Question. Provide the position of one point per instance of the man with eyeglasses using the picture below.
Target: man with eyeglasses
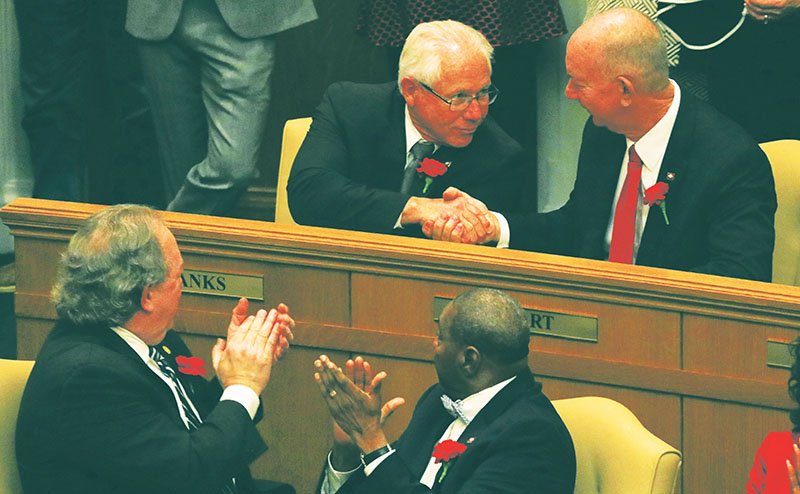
(366, 161)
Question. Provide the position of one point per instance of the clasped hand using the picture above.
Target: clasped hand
(253, 344)
(462, 219)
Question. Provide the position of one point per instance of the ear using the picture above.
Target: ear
(627, 90)
(409, 88)
(471, 360)
(147, 304)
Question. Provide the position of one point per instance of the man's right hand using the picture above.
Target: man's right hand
(254, 343)
(473, 215)
(462, 228)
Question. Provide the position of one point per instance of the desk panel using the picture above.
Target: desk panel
(686, 352)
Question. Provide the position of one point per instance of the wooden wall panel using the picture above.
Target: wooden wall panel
(733, 349)
(720, 443)
(685, 352)
(635, 335)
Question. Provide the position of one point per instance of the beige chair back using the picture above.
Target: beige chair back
(293, 134)
(784, 156)
(13, 376)
(615, 453)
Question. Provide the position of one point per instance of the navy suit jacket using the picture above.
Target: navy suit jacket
(95, 419)
(517, 444)
(347, 173)
(720, 205)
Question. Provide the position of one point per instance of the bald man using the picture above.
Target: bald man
(717, 212)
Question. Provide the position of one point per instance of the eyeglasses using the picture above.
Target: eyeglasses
(461, 102)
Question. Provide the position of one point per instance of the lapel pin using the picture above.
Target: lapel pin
(470, 440)
(670, 176)
(166, 349)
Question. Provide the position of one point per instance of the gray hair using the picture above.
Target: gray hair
(430, 43)
(493, 322)
(633, 45)
(112, 257)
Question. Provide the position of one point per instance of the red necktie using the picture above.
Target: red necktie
(624, 229)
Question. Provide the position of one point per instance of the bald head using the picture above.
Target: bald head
(624, 42)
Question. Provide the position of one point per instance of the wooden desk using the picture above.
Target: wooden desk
(685, 352)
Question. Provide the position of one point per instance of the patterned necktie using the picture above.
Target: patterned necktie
(419, 151)
(623, 231)
(193, 420)
(454, 408)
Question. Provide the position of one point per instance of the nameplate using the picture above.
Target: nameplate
(223, 284)
(546, 323)
(779, 354)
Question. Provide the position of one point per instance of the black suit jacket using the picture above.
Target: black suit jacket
(347, 173)
(721, 204)
(95, 419)
(516, 445)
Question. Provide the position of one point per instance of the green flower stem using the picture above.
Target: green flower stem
(428, 182)
(663, 206)
(444, 472)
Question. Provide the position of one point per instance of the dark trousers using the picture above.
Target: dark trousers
(84, 99)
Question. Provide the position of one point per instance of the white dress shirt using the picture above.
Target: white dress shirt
(471, 405)
(236, 392)
(650, 148)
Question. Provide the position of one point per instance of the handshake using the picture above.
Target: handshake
(456, 217)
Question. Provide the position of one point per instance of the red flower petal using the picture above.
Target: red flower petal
(192, 366)
(432, 168)
(447, 450)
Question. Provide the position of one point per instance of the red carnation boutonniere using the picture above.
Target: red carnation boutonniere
(444, 452)
(657, 195)
(432, 169)
(192, 366)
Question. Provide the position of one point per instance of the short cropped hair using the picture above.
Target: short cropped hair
(430, 43)
(491, 321)
(634, 48)
(112, 257)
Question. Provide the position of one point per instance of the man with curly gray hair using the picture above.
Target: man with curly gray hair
(104, 409)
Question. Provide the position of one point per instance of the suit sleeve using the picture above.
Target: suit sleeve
(741, 233)
(132, 436)
(321, 188)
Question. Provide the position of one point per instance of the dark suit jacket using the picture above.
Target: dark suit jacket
(348, 171)
(95, 419)
(516, 445)
(721, 204)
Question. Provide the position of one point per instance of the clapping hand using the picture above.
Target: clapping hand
(253, 344)
(353, 396)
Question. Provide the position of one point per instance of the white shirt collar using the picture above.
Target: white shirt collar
(474, 403)
(412, 134)
(133, 341)
(652, 146)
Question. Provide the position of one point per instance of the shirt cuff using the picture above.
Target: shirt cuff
(377, 461)
(244, 396)
(505, 231)
(334, 479)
